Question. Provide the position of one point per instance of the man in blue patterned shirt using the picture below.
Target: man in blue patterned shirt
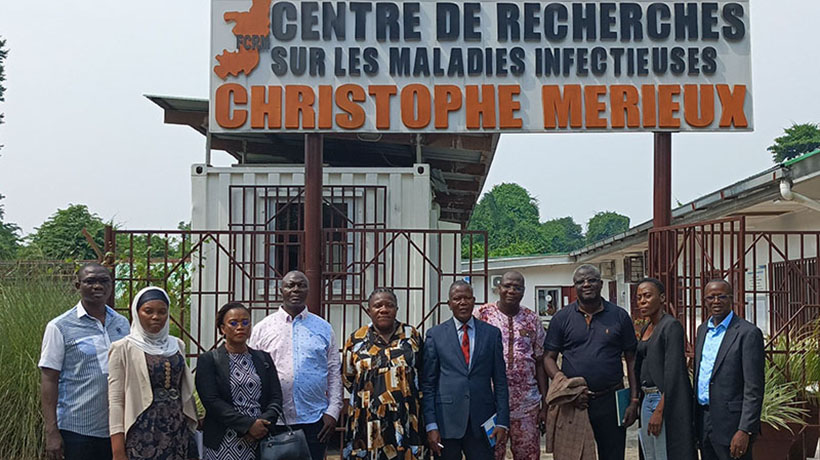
(74, 370)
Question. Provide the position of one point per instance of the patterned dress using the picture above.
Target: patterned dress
(161, 431)
(384, 415)
(246, 391)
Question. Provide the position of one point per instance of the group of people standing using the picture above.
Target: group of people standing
(477, 381)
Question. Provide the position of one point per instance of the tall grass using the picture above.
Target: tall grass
(26, 306)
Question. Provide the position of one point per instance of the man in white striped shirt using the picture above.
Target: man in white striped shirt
(74, 370)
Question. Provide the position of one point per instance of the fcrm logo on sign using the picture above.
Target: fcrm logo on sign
(252, 32)
(480, 66)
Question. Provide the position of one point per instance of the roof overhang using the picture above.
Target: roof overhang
(756, 197)
(459, 163)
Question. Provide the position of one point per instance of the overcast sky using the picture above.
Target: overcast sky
(78, 129)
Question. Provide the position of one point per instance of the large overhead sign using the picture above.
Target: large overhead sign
(436, 66)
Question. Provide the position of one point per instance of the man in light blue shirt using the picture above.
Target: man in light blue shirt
(711, 344)
(74, 370)
(729, 364)
(304, 350)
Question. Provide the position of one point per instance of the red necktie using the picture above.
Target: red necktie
(465, 344)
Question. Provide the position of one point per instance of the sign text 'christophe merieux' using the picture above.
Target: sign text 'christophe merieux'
(477, 66)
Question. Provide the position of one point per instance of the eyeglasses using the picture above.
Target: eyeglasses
(722, 298)
(234, 323)
(587, 280)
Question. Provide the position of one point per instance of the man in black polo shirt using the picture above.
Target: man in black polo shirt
(592, 335)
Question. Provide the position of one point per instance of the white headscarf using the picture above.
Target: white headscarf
(153, 344)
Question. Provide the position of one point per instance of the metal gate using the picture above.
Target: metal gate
(204, 269)
(774, 275)
(686, 257)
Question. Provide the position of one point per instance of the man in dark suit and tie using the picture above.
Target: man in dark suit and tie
(729, 379)
(464, 382)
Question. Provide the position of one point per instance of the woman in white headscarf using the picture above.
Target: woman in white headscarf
(152, 413)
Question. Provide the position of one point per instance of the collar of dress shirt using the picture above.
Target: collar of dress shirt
(302, 314)
(459, 324)
(724, 323)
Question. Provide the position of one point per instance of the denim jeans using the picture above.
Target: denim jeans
(654, 447)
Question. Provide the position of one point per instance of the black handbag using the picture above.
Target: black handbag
(288, 445)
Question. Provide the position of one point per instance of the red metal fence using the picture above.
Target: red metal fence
(774, 275)
(202, 270)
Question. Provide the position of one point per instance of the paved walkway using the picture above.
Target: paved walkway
(631, 447)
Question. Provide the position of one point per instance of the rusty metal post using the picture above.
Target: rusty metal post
(109, 260)
(662, 204)
(313, 220)
(662, 212)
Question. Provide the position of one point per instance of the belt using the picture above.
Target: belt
(650, 390)
(704, 407)
(598, 394)
(165, 394)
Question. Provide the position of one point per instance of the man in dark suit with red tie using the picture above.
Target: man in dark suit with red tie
(464, 382)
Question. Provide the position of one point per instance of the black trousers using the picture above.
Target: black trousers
(710, 450)
(609, 437)
(81, 447)
(317, 448)
(473, 448)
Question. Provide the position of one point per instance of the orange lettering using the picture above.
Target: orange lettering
(593, 106)
(325, 107)
(732, 106)
(222, 105)
(567, 109)
(382, 95)
(448, 99)
(412, 96)
(648, 105)
(299, 101)
(667, 107)
(263, 107)
(706, 115)
(480, 113)
(625, 99)
(347, 97)
(507, 106)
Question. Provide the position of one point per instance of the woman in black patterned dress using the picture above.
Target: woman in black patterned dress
(150, 388)
(381, 369)
(239, 388)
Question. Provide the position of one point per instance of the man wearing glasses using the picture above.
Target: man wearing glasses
(729, 378)
(592, 335)
(523, 338)
(74, 370)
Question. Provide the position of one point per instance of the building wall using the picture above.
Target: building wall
(409, 206)
(409, 192)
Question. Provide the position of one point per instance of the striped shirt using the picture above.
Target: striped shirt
(76, 344)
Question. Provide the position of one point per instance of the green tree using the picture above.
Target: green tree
(562, 235)
(9, 236)
(797, 140)
(61, 235)
(3, 54)
(606, 224)
(509, 214)
(9, 233)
